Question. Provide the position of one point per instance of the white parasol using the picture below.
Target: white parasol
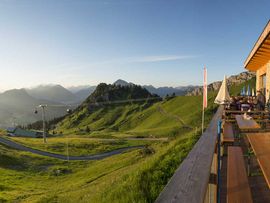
(223, 96)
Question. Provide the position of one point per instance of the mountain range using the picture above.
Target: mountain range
(17, 105)
(161, 91)
(232, 80)
(55, 93)
(59, 94)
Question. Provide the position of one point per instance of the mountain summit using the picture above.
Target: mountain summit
(121, 82)
(111, 93)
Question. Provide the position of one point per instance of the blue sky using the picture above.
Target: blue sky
(159, 42)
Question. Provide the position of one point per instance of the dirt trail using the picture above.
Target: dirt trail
(175, 117)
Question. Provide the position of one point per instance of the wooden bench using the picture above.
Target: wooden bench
(238, 189)
(227, 137)
(228, 134)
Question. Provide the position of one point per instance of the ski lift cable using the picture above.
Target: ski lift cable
(55, 105)
(100, 103)
(96, 103)
(125, 101)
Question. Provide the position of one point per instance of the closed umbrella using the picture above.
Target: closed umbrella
(253, 94)
(242, 92)
(248, 91)
(223, 96)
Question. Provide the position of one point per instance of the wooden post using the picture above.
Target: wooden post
(202, 120)
(219, 162)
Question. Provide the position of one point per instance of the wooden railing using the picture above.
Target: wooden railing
(191, 182)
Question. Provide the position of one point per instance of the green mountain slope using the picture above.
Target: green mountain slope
(144, 119)
(108, 108)
(134, 176)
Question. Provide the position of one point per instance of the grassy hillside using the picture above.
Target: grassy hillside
(135, 119)
(161, 119)
(139, 174)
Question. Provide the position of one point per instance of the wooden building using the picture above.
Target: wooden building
(258, 61)
(18, 132)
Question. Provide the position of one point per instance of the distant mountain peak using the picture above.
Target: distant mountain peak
(122, 83)
(15, 92)
(43, 86)
(75, 89)
(55, 93)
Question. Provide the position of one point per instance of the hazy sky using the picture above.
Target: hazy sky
(159, 42)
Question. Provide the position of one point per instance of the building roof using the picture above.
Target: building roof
(11, 129)
(25, 133)
(260, 53)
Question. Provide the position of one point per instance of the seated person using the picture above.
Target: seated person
(260, 101)
(233, 104)
(251, 103)
(245, 106)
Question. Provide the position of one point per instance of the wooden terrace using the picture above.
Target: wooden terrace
(244, 154)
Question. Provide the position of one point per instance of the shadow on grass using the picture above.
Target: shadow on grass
(11, 162)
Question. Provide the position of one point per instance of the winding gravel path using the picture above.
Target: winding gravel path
(18, 146)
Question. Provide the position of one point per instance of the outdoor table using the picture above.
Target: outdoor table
(260, 143)
(245, 124)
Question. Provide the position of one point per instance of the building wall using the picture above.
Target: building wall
(263, 70)
(267, 81)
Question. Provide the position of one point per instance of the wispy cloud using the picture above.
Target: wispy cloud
(143, 59)
(122, 61)
(160, 58)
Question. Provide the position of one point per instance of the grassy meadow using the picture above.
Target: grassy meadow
(139, 174)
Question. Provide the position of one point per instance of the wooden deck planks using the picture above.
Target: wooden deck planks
(238, 189)
(260, 143)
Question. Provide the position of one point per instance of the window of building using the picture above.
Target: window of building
(263, 83)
